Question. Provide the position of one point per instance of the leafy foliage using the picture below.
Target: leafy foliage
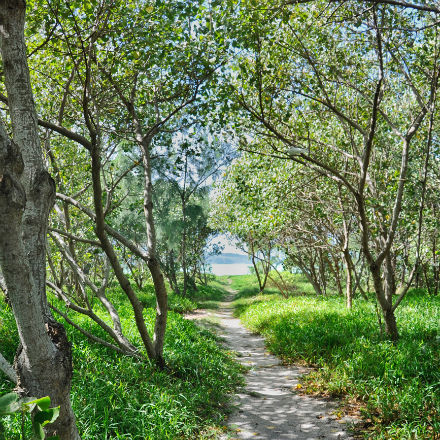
(43, 414)
(116, 396)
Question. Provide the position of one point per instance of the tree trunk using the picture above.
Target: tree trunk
(161, 310)
(390, 324)
(310, 277)
(334, 267)
(257, 273)
(111, 254)
(349, 281)
(314, 278)
(7, 369)
(169, 270)
(153, 261)
(183, 243)
(43, 362)
(385, 304)
(349, 289)
(321, 272)
(358, 276)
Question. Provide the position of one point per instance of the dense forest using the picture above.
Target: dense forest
(134, 134)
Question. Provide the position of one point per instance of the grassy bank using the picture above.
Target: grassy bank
(117, 397)
(398, 386)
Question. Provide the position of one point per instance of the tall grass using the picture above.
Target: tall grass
(118, 397)
(398, 385)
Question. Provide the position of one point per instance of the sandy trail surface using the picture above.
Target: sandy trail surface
(269, 407)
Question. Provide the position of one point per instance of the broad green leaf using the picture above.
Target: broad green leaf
(47, 416)
(9, 404)
(43, 403)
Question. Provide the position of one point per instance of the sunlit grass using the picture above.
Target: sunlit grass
(397, 384)
(118, 397)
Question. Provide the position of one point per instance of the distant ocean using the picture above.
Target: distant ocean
(230, 269)
(228, 263)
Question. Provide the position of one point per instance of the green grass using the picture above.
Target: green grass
(209, 297)
(117, 397)
(247, 286)
(176, 303)
(398, 385)
(205, 297)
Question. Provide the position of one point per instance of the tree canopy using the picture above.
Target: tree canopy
(131, 133)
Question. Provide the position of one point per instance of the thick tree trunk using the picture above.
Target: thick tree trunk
(390, 324)
(43, 363)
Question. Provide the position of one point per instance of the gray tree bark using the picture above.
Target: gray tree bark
(43, 362)
(153, 261)
(7, 369)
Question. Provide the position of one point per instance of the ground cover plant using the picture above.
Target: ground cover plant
(396, 384)
(208, 297)
(176, 303)
(118, 397)
(245, 286)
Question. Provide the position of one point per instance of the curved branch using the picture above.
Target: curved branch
(93, 337)
(7, 368)
(115, 234)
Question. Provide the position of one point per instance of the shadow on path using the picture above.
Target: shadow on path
(269, 408)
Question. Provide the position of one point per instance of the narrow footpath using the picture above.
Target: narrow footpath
(269, 407)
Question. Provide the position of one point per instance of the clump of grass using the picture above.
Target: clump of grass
(245, 285)
(176, 303)
(398, 384)
(209, 297)
(206, 297)
(210, 293)
(118, 397)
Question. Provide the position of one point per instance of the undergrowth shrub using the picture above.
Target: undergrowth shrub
(118, 397)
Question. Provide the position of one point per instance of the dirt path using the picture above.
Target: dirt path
(269, 407)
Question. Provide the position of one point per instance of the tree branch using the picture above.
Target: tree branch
(75, 238)
(8, 370)
(115, 234)
(91, 336)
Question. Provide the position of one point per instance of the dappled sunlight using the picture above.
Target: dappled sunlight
(395, 382)
(269, 407)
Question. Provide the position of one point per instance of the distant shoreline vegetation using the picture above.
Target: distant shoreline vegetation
(229, 258)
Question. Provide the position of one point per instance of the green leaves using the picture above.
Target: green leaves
(42, 418)
(12, 403)
(9, 404)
